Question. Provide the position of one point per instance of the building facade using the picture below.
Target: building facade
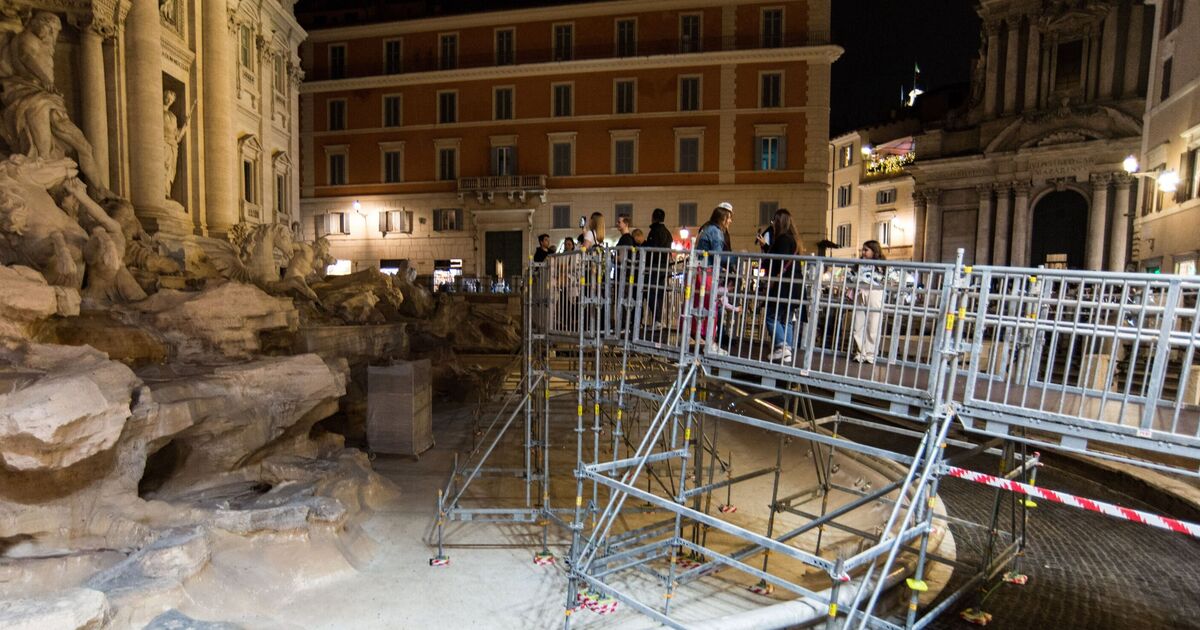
(217, 153)
(1031, 172)
(1167, 228)
(461, 138)
(871, 190)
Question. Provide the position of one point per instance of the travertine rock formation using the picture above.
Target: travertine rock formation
(26, 298)
(225, 321)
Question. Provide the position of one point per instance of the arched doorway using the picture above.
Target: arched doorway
(1059, 228)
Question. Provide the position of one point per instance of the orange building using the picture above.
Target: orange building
(464, 137)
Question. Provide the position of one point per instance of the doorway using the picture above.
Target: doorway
(1060, 230)
(504, 246)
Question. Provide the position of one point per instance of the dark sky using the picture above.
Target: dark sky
(882, 38)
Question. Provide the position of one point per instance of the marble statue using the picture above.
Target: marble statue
(34, 121)
(173, 134)
(309, 261)
(108, 278)
(141, 249)
(47, 238)
(250, 256)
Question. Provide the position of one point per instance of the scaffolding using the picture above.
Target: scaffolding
(659, 350)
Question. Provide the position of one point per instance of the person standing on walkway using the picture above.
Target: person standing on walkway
(784, 241)
(593, 234)
(543, 249)
(714, 238)
(657, 262)
(868, 304)
(626, 239)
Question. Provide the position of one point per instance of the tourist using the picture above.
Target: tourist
(657, 263)
(868, 304)
(714, 238)
(626, 239)
(659, 235)
(639, 237)
(784, 241)
(568, 245)
(593, 234)
(543, 249)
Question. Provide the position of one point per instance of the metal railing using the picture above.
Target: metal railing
(1090, 362)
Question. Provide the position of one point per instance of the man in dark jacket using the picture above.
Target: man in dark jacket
(659, 235)
(656, 265)
(543, 250)
(626, 239)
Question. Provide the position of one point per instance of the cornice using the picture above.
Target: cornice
(817, 54)
(499, 18)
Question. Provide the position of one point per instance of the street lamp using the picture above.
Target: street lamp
(1130, 164)
(1168, 181)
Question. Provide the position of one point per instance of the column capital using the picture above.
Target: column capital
(1100, 180)
(931, 195)
(991, 28)
(1122, 180)
(1002, 187)
(295, 73)
(983, 189)
(1022, 188)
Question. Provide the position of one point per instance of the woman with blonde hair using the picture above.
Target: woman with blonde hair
(594, 233)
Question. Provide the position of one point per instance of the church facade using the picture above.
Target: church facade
(189, 105)
(1031, 173)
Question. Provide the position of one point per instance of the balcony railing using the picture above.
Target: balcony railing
(514, 186)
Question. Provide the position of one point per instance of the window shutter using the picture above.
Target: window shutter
(1181, 191)
(458, 219)
(782, 152)
(757, 154)
(321, 225)
(513, 166)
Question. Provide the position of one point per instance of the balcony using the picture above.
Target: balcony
(515, 187)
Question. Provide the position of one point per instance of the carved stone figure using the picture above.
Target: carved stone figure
(108, 279)
(34, 120)
(173, 134)
(309, 261)
(39, 234)
(141, 249)
(250, 257)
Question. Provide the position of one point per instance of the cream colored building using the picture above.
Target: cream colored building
(234, 69)
(463, 137)
(871, 190)
(1031, 172)
(1167, 228)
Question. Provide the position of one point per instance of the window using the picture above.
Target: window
(1172, 15)
(447, 163)
(885, 196)
(447, 107)
(845, 156)
(447, 219)
(1186, 267)
(337, 114)
(562, 159)
(1069, 66)
(562, 217)
(448, 51)
(335, 223)
(395, 222)
(770, 92)
(337, 169)
(505, 47)
(625, 96)
(504, 160)
(279, 76)
(687, 214)
(337, 60)
(281, 195)
(844, 196)
(1164, 91)
(502, 103)
(246, 49)
(689, 94)
(391, 111)
(883, 233)
(564, 42)
(392, 56)
(689, 155)
(393, 166)
(689, 33)
(772, 28)
(770, 153)
(843, 236)
(766, 211)
(626, 37)
(562, 99)
(1192, 173)
(249, 179)
(624, 156)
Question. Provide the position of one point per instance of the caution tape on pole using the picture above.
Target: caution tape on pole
(1124, 513)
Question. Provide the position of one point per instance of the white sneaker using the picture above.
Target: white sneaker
(713, 348)
(780, 352)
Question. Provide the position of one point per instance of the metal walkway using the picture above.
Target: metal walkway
(1011, 359)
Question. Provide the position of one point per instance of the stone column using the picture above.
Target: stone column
(1033, 60)
(983, 221)
(1133, 51)
(1096, 218)
(918, 254)
(1108, 55)
(993, 68)
(147, 170)
(1000, 247)
(94, 93)
(933, 225)
(1118, 244)
(221, 168)
(1011, 70)
(1020, 225)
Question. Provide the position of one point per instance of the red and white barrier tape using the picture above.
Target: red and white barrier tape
(1137, 516)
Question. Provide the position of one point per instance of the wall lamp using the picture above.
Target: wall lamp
(1167, 180)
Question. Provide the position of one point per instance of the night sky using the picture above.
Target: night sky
(882, 38)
